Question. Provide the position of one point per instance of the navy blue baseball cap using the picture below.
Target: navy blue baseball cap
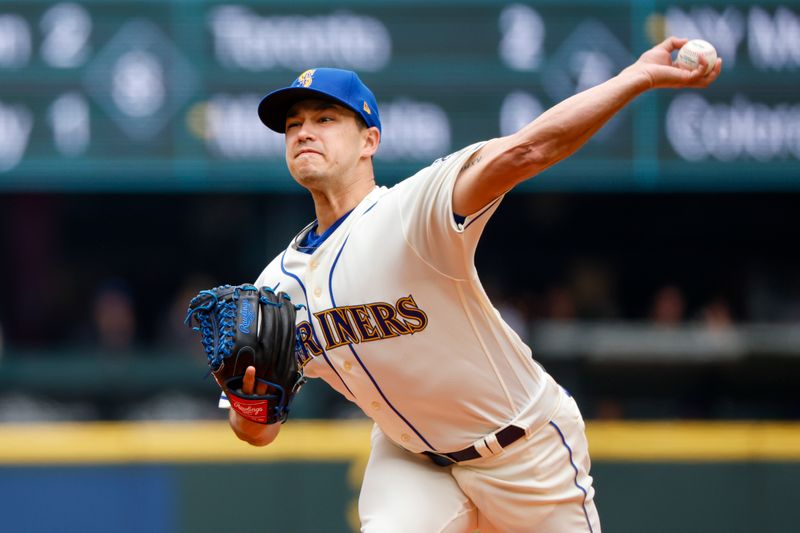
(343, 87)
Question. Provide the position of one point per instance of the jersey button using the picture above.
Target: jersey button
(314, 265)
(317, 292)
(348, 365)
(405, 437)
(376, 406)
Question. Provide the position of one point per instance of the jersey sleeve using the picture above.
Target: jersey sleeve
(429, 225)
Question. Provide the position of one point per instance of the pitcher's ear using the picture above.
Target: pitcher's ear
(372, 137)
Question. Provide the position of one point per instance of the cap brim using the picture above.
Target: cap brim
(273, 108)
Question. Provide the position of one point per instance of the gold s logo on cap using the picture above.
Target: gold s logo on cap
(306, 78)
(367, 110)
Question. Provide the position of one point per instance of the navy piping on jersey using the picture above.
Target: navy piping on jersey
(572, 462)
(485, 210)
(369, 208)
(311, 323)
(360, 362)
(311, 241)
(460, 219)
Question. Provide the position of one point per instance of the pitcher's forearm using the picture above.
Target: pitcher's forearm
(563, 129)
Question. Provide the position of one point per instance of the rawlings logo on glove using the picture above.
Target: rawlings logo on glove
(248, 315)
(242, 326)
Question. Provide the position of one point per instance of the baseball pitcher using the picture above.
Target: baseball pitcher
(470, 432)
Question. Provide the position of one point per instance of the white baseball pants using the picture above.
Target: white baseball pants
(539, 484)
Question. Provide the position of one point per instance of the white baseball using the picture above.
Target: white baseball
(688, 56)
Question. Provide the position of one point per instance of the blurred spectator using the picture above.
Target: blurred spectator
(592, 289)
(608, 409)
(668, 307)
(559, 304)
(173, 334)
(113, 319)
(717, 315)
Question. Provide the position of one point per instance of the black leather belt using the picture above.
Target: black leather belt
(505, 437)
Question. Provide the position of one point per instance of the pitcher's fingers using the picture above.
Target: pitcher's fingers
(248, 383)
(712, 76)
(673, 43)
(261, 388)
(702, 65)
(697, 74)
(717, 68)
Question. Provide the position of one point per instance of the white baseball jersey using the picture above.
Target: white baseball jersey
(397, 321)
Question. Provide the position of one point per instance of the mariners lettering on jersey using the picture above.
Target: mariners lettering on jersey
(308, 347)
(354, 324)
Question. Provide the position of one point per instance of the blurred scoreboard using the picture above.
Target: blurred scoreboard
(102, 95)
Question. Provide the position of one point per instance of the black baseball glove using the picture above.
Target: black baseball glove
(243, 326)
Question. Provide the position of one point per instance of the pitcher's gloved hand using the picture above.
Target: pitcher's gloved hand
(242, 326)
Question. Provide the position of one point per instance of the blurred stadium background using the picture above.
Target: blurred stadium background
(656, 273)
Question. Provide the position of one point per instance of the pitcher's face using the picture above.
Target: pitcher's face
(324, 142)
